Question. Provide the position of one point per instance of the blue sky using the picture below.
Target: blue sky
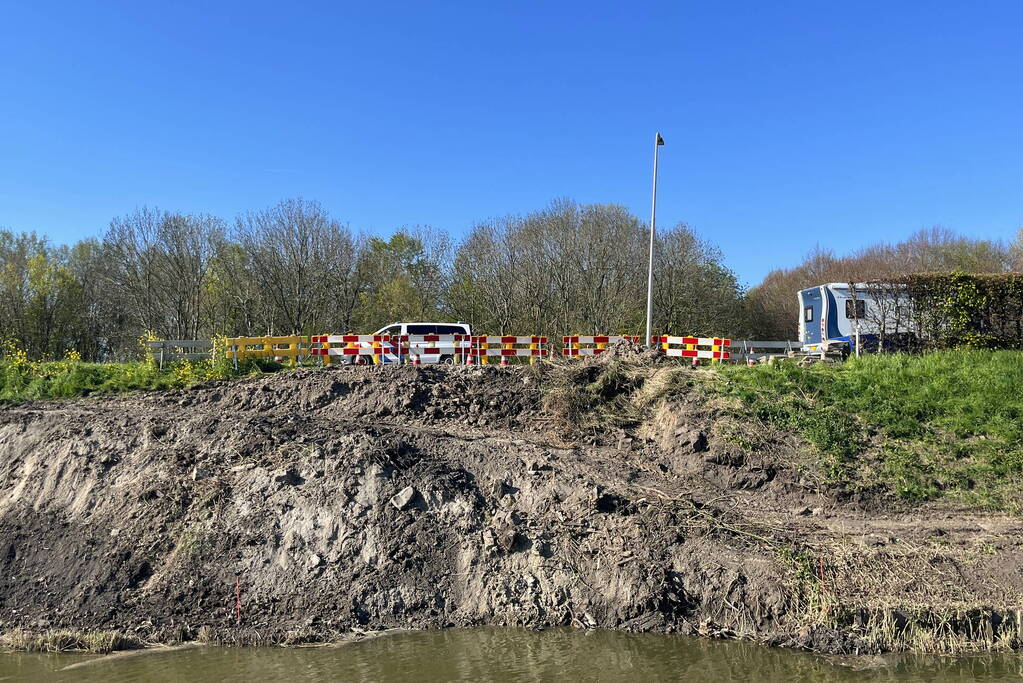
(787, 123)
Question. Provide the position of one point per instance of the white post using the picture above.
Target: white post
(856, 314)
(658, 141)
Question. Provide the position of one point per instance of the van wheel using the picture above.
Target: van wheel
(447, 360)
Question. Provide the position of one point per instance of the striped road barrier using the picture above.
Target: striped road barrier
(361, 348)
(485, 347)
(382, 348)
(691, 347)
(417, 346)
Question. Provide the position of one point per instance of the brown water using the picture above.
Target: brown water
(504, 655)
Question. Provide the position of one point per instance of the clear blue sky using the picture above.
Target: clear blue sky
(787, 123)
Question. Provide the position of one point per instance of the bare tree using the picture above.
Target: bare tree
(303, 262)
(159, 265)
(581, 269)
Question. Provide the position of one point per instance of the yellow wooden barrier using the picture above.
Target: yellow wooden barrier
(291, 348)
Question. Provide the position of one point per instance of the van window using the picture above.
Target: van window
(861, 309)
(808, 314)
(393, 330)
(422, 329)
(450, 329)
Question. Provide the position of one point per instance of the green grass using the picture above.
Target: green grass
(22, 381)
(944, 424)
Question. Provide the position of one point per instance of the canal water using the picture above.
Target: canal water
(504, 655)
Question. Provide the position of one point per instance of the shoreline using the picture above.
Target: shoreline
(422, 498)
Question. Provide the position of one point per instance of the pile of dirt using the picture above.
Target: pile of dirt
(627, 350)
(309, 504)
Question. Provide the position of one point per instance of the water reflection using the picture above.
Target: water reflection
(507, 655)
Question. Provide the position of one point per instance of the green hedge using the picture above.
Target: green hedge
(954, 310)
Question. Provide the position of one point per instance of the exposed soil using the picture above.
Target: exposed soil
(355, 498)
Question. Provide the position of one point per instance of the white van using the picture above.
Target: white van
(419, 329)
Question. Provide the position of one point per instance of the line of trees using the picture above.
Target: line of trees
(294, 269)
(772, 303)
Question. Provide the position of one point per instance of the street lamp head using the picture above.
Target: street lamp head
(660, 140)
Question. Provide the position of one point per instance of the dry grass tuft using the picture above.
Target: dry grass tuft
(99, 642)
(903, 598)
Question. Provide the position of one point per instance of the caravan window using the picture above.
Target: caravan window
(808, 314)
(861, 309)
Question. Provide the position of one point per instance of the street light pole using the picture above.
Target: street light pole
(658, 141)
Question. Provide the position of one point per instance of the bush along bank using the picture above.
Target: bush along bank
(617, 493)
(22, 379)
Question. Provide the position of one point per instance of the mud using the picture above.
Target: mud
(352, 499)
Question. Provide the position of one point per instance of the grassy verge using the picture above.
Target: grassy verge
(922, 427)
(22, 380)
(945, 424)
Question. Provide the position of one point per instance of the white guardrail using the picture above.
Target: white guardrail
(172, 350)
(746, 350)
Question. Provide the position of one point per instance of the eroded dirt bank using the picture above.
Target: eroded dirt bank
(373, 498)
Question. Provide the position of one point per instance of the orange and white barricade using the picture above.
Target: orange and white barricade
(360, 348)
(486, 347)
(593, 345)
(691, 347)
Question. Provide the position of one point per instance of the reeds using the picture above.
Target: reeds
(100, 642)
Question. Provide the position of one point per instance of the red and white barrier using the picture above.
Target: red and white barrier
(416, 349)
(495, 339)
(361, 347)
(382, 348)
(486, 347)
(432, 338)
(378, 348)
(353, 344)
(691, 347)
(592, 345)
(416, 346)
(349, 338)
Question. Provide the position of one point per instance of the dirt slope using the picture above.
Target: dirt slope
(367, 498)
